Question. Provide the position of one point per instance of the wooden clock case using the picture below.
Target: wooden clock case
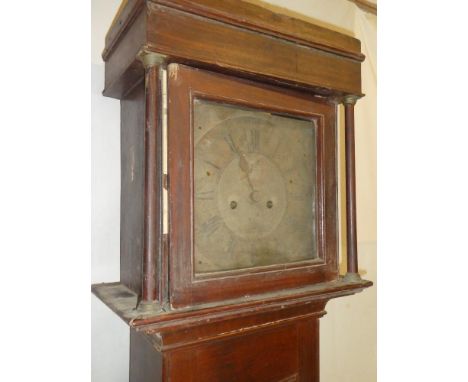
(260, 325)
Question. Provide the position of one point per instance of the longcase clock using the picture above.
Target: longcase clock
(229, 212)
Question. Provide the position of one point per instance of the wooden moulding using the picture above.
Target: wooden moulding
(208, 324)
(259, 19)
(245, 15)
(124, 70)
(234, 37)
(206, 321)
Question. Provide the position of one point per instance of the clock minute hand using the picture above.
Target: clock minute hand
(243, 163)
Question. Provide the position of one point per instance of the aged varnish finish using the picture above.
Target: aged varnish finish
(229, 238)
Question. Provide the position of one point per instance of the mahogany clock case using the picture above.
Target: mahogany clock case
(257, 320)
(238, 54)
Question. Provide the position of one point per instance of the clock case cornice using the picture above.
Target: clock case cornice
(219, 35)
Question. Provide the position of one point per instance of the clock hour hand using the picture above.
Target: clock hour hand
(243, 164)
(245, 167)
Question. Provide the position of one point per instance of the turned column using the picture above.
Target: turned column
(351, 231)
(152, 245)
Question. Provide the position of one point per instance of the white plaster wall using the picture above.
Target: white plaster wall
(348, 331)
(109, 334)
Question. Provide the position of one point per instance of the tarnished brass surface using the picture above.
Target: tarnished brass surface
(254, 188)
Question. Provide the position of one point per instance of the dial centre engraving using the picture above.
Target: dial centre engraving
(255, 183)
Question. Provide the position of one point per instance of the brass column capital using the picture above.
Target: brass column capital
(150, 59)
(350, 99)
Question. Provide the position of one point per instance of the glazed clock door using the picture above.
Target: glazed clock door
(252, 199)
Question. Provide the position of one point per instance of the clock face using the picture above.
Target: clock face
(254, 188)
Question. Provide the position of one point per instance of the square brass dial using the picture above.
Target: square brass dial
(254, 188)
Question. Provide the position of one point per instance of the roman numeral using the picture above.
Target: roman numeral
(213, 165)
(231, 144)
(232, 244)
(253, 140)
(212, 225)
(276, 150)
(205, 195)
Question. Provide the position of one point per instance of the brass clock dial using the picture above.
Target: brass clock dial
(254, 188)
